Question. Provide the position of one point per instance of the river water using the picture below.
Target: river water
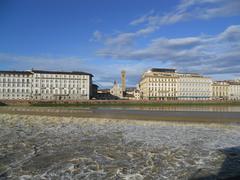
(58, 147)
(199, 108)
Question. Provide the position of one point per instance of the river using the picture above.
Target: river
(50, 143)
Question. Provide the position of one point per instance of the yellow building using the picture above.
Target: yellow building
(234, 90)
(159, 84)
(167, 84)
(220, 90)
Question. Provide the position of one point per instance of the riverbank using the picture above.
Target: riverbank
(126, 103)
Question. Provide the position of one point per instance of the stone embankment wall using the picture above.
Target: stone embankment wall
(117, 102)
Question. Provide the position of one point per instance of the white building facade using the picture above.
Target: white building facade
(116, 91)
(193, 86)
(15, 85)
(45, 85)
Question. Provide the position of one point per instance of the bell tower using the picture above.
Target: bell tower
(123, 77)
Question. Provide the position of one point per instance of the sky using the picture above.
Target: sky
(103, 37)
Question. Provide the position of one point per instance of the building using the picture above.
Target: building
(159, 84)
(132, 93)
(226, 90)
(123, 92)
(104, 94)
(57, 85)
(192, 86)
(220, 90)
(167, 84)
(116, 90)
(234, 90)
(16, 84)
(94, 91)
(136, 94)
(129, 93)
(45, 85)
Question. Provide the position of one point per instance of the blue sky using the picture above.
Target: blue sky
(104, 37)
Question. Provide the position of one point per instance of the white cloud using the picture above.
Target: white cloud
(142, 19)
(185, 11)
(192, 9)
(205, 54)
(121, 39)
(124, 39)
(97, 36)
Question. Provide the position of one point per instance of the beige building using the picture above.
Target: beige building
(136, 94)
(226, 90)
(234, 90)
(192, 86)
(45, 85)
(167, 84)
(159, 84)
(220, 90)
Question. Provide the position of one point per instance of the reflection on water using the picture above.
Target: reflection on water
(179, 108)
(176, 108)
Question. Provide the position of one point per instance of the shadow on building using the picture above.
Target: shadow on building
(230, 169)
(106, 96)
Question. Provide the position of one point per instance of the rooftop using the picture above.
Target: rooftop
(61, 72)
(163, 70)
(190, 74)
(16, 72)
(46, 72)
(233, 82)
